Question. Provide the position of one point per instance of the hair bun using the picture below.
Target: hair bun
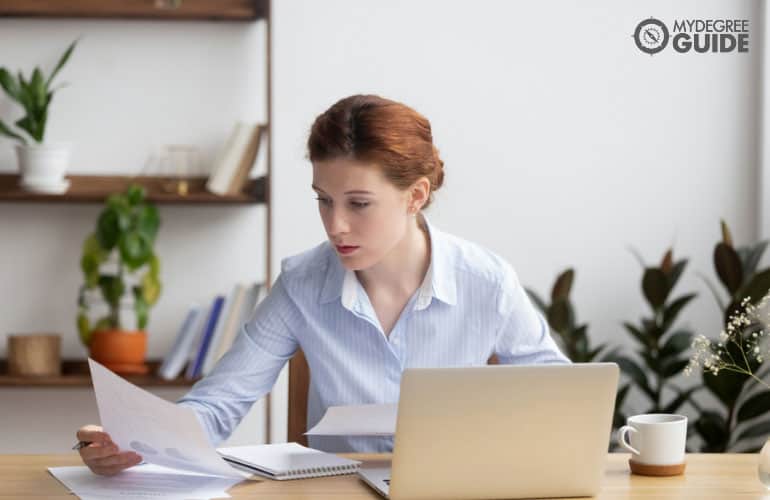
(438, 170)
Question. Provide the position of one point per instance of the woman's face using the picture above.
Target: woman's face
(364, 215)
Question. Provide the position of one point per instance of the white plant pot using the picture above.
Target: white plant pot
(42, 166)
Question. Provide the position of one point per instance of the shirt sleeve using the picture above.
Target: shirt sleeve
(524, 336)
(249, 369)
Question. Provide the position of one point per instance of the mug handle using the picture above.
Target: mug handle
(622, 438)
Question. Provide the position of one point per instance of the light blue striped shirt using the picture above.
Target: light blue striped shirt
(469, 306)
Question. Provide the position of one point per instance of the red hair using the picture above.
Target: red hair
(369, 128)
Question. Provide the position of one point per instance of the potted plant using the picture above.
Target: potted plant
(41, 164)
(121, 268)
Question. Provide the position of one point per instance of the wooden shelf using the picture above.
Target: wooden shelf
(96, 189)
(215, 10)
(75, 374)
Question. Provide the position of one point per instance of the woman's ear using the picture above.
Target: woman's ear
(418, 194)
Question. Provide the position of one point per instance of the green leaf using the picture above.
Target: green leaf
(651, 329)
(638, 335)
(652, 361)
(672, 311)
(108, 228)
(150, 288)
(5, 130)
(148, 221)
(755, 406)
(636, 374)
(155, 266)
(25, 93)
(672, 367)
(90, 266)
(676, 343)
(676, 272)
(713, 429)
(135, 249)
(29, 124)
(757, 287)
(727, 238)
(593, 353)
(112, 289)
(562, 286)
(135, 194)
(10, 85)
(141, 308)
(726, 386)
(655, 286)
(757, 430)
(618, 418)
(84, 329)
(728, 266)
(39, 92)
(753, 256)
(62, 61)
(559, 315)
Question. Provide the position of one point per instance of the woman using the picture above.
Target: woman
(386, 292)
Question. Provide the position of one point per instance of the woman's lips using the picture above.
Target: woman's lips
(345, 249)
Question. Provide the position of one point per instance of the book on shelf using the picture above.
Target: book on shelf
(178, 355)
(207, 333)
(244, 300)
(236, 159)
(224, 319)
(194, 368)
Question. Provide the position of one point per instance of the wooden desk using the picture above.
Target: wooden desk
(708, 476)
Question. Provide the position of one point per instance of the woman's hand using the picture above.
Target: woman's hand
(102, 456)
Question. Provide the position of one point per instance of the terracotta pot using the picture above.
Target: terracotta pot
(120, 351)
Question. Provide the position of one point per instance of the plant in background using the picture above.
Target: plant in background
(573, 338)
(121, 248)
(734, 384)
(660, 347)
(34, 94)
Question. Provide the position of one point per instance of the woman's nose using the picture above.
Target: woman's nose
(338, 223)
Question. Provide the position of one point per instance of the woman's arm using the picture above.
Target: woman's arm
(249, 369)
(523, 336)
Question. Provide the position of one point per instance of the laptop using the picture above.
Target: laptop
(499, 432)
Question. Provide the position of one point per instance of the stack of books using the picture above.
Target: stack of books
(207, 333)
(236, 159)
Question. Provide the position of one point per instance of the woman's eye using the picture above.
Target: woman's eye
(359, 204)
(324, 201)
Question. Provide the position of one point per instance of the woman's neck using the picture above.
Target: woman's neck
(402, 271)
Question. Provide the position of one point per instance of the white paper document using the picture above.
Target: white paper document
(142, 482)
(359, 420)
(163, 433)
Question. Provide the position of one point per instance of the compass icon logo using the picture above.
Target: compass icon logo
(651, 36)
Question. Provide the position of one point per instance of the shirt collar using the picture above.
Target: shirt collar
(439, 281)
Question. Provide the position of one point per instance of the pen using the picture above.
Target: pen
(81, 444)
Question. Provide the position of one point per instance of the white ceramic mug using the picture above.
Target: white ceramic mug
(655, 438)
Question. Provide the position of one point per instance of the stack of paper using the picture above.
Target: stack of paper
(142, 482)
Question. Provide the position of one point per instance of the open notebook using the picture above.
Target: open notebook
(287, 461)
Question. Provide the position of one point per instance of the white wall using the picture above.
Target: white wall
(563, 143)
